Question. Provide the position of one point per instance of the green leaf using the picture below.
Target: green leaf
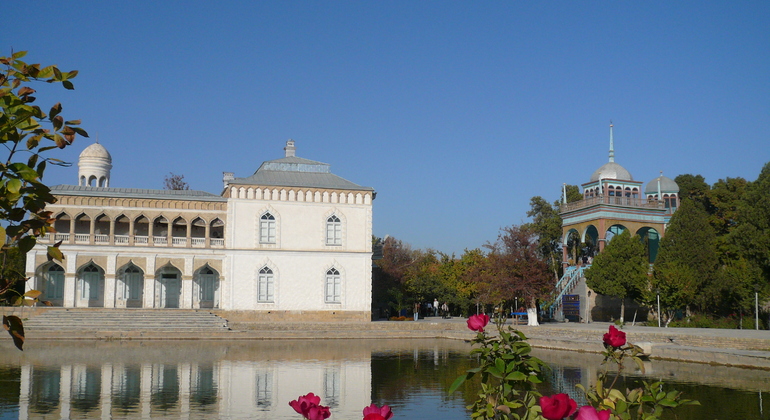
(67, 85)
(18, 54)
(515, 376)
(54, 253)
(26, 244)
(13, 185)
(668, 403)
(456, 384)
(2, 236)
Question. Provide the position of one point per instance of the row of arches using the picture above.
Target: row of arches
(612, 191)
(93, 181)
(309, 196)
(122, 230)
(132, 288)
(581, 246)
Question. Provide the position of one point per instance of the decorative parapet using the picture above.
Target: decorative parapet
(640, 203)
(308, 195)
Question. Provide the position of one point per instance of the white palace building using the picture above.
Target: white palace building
(291, 240)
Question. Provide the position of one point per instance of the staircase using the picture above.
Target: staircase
(566, 284)
(82, 321)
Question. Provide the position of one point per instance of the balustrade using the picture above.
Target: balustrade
(124, 240)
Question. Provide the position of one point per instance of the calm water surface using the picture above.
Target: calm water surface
(257, 379)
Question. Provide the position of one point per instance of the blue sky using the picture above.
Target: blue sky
(457, 113)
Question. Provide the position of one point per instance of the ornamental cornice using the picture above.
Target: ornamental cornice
(139, 203)
(298, 194)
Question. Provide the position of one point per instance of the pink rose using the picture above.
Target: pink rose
(318, 412)
(376, 413)
(557, 407)
(478, 322)
(615, 337)
(589, 413)
(304, 403)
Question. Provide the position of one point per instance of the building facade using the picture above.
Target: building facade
(292, 239)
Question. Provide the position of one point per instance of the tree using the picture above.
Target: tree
(693, 187)
(515, 268)
(724, 197)
(546, 224)
(752, 233)
(397, 258)
(175, 182)
(620, 270)
(687, 258)
(23, 196)
(736, 280)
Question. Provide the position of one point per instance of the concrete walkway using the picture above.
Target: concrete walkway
(749, 348)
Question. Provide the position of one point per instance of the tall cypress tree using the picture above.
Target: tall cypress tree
(687, 259)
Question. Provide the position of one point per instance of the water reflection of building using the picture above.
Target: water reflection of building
(227, 388)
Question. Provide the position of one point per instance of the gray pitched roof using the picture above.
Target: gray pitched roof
(293, 171)
(194, 195)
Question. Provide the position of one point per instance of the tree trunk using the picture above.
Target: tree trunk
(532, 313)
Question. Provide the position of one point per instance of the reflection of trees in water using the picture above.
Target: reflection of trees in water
(401, 375)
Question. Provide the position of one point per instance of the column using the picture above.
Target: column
(91, 230)
(112, 232)
(150, 232)
(187, 284)
(72, 230)
(148, 296)
(131, 232)
(70, 279)
(30, 268)
(109, 281)
(188, 244)
(207, 235)
(564, 257)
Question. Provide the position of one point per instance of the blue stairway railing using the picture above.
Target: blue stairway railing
(564, 286)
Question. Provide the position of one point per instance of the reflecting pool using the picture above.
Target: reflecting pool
(257, 379)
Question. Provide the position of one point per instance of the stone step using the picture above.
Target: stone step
(94, 320)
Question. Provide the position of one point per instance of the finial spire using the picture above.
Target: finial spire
(612, 145)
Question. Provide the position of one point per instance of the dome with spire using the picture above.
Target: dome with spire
(96, 151)
(612, 170)
(667, 186)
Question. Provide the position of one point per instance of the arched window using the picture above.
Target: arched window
(267, 229)
(333, 231)
(54, 285)
(265, 285)
(333, 286)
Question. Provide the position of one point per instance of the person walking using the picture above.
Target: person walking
(435, 307)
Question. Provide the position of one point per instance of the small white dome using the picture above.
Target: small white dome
(96, 150)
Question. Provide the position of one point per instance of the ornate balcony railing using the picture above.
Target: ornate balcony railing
(615, 201)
